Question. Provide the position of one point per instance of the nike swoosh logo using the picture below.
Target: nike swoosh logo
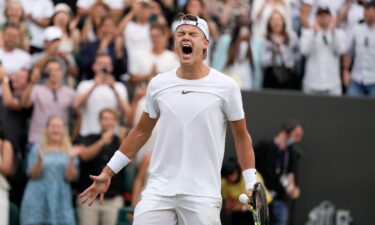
(186, 92)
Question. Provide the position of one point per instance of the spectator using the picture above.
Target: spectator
(262, 10)
(12, 58)
(52, 165)
(93, 21)
(232, 186)
(148, 63)
(135, 27)
(323, 47)
(48, 99)
(53, 39)
(351, 14)
(240, 63)
(109, 43)
(276, 160)
(279, 54)
(14, 13)
(13, 117)
(99, 93)
(6, 168)
(95, 150)
(360, 81)
(62, 18)
(309, 8)
(38, 14)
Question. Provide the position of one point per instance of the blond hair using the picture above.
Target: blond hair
(65, 145)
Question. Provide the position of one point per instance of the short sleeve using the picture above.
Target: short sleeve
(122, 91)
(151, 106)
(34, 93)
(83, 87)
(233, 105)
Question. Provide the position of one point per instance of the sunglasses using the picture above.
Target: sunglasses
(189, 19)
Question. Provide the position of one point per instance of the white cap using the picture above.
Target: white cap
(52, 33)
(200, 23)
(62, 7)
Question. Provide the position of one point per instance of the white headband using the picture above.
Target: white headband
(200, 23)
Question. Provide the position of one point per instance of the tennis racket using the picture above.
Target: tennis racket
(257, 204)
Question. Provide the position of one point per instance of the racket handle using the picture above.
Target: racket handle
(243, 199)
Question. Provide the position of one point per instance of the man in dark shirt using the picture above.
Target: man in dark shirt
(95, 151)
(276, 161)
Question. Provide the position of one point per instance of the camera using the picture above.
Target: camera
(105, 70)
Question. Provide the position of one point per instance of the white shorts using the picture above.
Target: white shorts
(177, 210)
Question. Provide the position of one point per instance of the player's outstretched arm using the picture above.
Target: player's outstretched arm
(245, 152)
(129, 147)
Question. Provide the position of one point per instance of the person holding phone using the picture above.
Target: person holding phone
(99, 93)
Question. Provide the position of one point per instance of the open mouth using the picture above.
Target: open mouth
(187, 49)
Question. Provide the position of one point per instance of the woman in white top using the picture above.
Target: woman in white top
(262, 10)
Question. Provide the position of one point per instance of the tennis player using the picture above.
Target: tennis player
(194, 103)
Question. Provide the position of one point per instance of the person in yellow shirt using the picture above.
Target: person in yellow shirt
(232, 186)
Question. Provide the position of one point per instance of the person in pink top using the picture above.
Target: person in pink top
(49, 98)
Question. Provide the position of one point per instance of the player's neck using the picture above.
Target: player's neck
(193, 72)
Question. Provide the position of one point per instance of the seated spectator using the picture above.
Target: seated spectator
(147, 63)
(360, 80)
(262, 10)
(48, 99)
(38, 14)
(240, 64)
(12, 58)
(93, 21)
(279, 54)
(6, 168)
(108, 43)
(99, 93)
(13, 116)
(323, 47)
(95, 150)
(15, 14)
(232, 186)
(53, 38)
(52, 165)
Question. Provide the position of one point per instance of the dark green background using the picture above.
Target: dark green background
(338, 162)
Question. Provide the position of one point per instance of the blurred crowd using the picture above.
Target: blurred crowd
(74, 75)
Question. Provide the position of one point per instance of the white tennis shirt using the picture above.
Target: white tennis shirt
(189, 147)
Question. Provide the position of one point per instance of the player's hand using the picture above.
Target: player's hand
(98, 187)
(249, 193)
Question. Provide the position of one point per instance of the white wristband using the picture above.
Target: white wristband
(118, 161)
(250, 178)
